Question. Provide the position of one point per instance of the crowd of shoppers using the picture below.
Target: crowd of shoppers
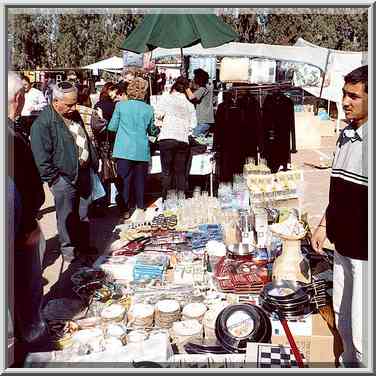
(70, 136)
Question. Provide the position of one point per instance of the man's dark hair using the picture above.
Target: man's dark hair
(25, 78)
(201, 77)
(358, 75)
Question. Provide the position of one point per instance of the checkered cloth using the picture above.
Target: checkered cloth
(273, 356)
(80, 138)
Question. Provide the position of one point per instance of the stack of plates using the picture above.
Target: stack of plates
(293, 300)
(187, 330)
(194, 311)
(239, 324)
(114, 312)
(166, 313)
(141, 315)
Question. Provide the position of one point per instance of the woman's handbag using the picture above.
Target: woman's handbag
(97, 124)
(108, 171)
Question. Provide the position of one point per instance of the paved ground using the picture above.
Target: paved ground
(316, 185)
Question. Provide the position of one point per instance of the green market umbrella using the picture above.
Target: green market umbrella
(178, 30)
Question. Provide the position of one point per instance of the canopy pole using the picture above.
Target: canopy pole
(323, 77)
(150, 85)
(182, 68)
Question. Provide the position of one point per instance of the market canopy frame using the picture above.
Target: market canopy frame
(307, 55)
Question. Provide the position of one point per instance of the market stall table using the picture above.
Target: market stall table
(194, 285)
(202, 164)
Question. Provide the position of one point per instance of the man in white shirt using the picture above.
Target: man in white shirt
(34, 98)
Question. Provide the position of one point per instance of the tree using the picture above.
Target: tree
(245, 25)
(28, 41)
(342, 31)
(86, 38)
(49, 39)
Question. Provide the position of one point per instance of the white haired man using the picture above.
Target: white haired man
(26, 196)
(65, 157)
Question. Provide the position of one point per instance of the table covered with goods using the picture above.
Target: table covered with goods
(227, 281)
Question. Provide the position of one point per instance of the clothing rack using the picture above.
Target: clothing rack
(261, 89)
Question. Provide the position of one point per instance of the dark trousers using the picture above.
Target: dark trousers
(174, 156)
(28, 293)
(106, 200)
(72, 217)
(133, 172)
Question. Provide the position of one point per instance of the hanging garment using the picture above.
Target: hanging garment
(278, 123)
(236, 135)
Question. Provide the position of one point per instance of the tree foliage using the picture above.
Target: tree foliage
(335, 31)
(53, 40)
(28, 41)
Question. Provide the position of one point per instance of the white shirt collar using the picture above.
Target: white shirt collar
(362, 130)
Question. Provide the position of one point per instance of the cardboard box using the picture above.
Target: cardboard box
(318, 348)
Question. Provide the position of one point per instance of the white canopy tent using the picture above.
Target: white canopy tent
(336, 64)
(112, 64)
(308, 55)
(339, 63)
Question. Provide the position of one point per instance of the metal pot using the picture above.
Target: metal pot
(239, 249)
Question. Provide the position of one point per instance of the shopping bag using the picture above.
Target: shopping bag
(97, 190)
(108, 171)
(114, 193)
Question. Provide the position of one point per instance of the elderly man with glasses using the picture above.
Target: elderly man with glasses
(65, 157)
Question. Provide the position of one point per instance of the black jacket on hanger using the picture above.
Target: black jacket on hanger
(278, 122)
(236, 135)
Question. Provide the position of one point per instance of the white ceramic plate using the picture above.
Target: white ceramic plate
(168, 306)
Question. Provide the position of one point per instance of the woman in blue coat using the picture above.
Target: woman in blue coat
(133, 121)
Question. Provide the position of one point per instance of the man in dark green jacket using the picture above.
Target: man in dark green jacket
(65, 158)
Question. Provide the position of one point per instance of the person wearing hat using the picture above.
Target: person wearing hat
(202, 98)
(72, 77)
(133, 121)
(65, 158)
